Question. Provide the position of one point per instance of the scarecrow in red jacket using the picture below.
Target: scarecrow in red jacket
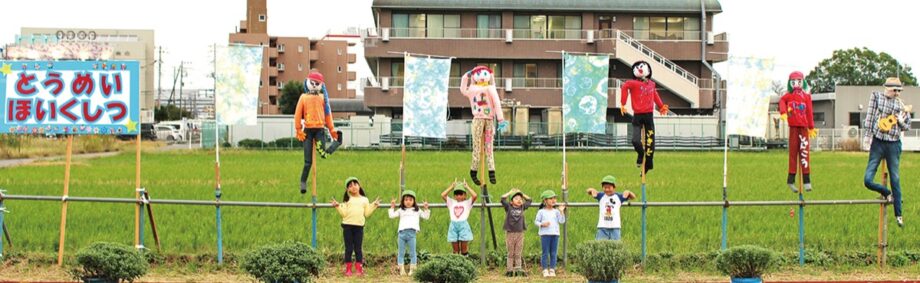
(644, 97)
(795, 108)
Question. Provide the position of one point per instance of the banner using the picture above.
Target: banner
(69, 97)
(425, 97)
(584, 93)
(749, 88)
(239, 69)
(69, 50)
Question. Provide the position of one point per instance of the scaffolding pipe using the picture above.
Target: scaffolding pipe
(443, 205)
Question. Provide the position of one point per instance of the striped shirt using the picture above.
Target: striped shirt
(881, 106)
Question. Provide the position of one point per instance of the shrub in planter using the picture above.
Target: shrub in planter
(449, 268)
(285, 262)
(109, 262)
(602, 261)
(287, 143)
(251, 143)
(746, 264)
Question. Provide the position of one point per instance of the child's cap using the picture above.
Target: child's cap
(459, 188)
(548, 194)
(609, 179)
(408, 193)
(515, 193)
(351, 179)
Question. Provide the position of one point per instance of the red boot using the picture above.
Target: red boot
(348, 269)
(359, 269)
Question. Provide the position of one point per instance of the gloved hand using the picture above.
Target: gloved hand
(784, 117)
(664, 109)
(812, 133)
(334, 134)
(300, 136)
(502, 125)
(623, 110)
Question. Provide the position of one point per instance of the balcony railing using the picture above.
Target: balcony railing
(454, 82)
(536, 34)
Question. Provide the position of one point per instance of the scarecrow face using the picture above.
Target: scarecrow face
(482, 77)
(314, 86)
(641, 71)
(796, 83)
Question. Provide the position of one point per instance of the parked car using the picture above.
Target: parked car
(147, 133)
(168, 133)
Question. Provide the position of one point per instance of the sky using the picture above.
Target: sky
(798, 34)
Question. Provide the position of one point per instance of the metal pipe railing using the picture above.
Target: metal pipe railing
(438, 205)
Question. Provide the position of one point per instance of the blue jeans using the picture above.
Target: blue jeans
(607, 234)
(550, 245)
(406, 245)
(891, 152)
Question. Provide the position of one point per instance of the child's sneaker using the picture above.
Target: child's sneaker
(402, 270)
(509, 274)
(900, 220)
(412, 267)
(546, 273)
(793, 188)
(359, 269)
(552, 273)
(474, 175)
(348, 269)
(808, 187)
(492, 177)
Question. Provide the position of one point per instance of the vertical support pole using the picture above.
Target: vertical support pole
(217, 192)
(313, 213)
(138, 225)
(644, 198)
(724, 194)
(883, 223)
(140, 219)
(482, 212)
(801, 214)
(2, 224)
(64, 200)
(153, 223)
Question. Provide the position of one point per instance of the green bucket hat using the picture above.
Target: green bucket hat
(350, 179)
(458, 187)
(548, 194)
(408, 193)
(609, 179)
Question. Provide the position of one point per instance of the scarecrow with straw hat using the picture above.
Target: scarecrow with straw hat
(886, 118)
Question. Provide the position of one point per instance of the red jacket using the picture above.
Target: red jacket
(644, 94)
(797, 107)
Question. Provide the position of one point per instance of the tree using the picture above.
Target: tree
(857, 66)
(289, 96)
(170, 113)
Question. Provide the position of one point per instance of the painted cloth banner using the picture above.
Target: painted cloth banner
(239, 69)
(425, 97)
(749, 86)
(584, 93)
(69, 97)
(67, 50)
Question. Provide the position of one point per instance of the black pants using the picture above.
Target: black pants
(312, 135)
(644, 142)
(354, 239)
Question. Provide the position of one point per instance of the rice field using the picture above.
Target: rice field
(273, 176)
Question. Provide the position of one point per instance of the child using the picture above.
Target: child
(459, 233)
(354, 209)
(608, 220)
(549, 219)
(514, 229)
(408, 214)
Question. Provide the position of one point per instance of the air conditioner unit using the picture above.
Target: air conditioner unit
(710, 38)
(386, 34)
(509, 35)
(385, 84)
(852, 132)
(590, 36)
(508, 86)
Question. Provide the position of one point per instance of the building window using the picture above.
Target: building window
(339, 69)
(300, 67)
(542, 26)
(299, 48)
(564, 27)
(525, 75)
(280, 47)
(443, 26)
(280, 66)
(338, 51)
(261, 17)
(819, 117)
(856, 118)
(396, 73)
(454, 80)
(666, 28)
(488, 26)
(273, 100)
(260, 83)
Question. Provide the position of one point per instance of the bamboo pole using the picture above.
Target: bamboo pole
(313, 215)
(137, 194)
(64, 199)
(883, 223)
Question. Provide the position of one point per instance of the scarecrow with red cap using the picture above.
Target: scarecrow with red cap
(795, 108)
(487, 108)
(643, 96)
(311, 119)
